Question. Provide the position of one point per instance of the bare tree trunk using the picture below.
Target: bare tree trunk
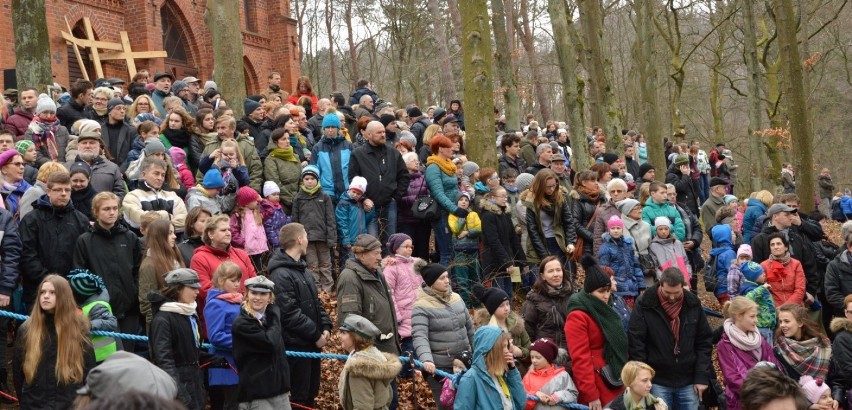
(502, 59)
(448, 81)
(329, 15)
(646, 53)
(227, 51)
(476, 67)
(455, 19)
(754, 110)
(353, 50)
(528, 42)
(607, 114)
(796, 101)
(718, 54)
(567, 54)
(32, 45)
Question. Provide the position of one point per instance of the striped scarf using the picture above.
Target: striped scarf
(44, 135)
(809, 357)
(672, 310)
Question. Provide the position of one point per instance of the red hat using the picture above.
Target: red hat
(546, 348)
(246, 195)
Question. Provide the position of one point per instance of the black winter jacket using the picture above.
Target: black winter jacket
(70, 113)
(303, 317)
(49, 236)
(839, 376)
(685, 191)
(316, 212)
(582, 210)
(188, 247)
(418, 128)
(259, 353)
(10, 253)
(115, 256)
(501, 246)
(838, 281)
(45, 392)
(799, 249)
(175, 349)
(652, 341)
(561, 216)
(544, 313)
(693, 233)
(385, 171)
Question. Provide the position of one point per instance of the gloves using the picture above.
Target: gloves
(460, 212)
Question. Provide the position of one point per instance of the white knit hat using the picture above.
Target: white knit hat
(269, 188)
(359, 184)
(45, 104)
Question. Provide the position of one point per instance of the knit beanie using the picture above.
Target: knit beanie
(213, 179)
(45, 103)
(23, 145)
(546, 348)
(662, 221)
(595, 277)
(80, 166)
(464, 356)
(681, 160)
(405, 135)
(386, 119)
(396, 240)
(310, 170)
(249, 106)
(463, 194)
(813, 388)
(432, 272)
(744, 249)
(269, 188)
(87, 128)
(610, 158)
(751, 270)
(614, 221)
(85, 283)
(210, 84)
(115, 102)
(469, 168)
(523, 181)
(178, 86)
(153, 146)
(7, 156)
(177, 154)
(246, 195)
(359, 184)
(626, 205)
(414, 112)
(643, 169)
(729, 198)
(331, 120)
(492, 298)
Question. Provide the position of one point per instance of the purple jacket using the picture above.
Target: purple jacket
(735, 364)
(416, 187)
(18, 122)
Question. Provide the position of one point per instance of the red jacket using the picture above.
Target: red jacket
(586, 348)
(18, 123)
(206, 259)
(294, 99)
(791, 287)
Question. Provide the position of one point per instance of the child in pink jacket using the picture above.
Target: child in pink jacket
(403, 283)
(179, 159)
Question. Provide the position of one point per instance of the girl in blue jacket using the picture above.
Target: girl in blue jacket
(493, 382)
(220, 310)
(617, 252)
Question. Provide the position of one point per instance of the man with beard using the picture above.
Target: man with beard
(106, 176)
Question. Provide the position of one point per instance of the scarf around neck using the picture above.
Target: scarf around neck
(750, 342)
(647, 402)
(310, 191)
(284, 154)
(178, 138)
(44, 135)
(783, 259)
(446, 165)
(615, 350)
(592, 193)
(809, 357)
(672, 310)
(186, 309)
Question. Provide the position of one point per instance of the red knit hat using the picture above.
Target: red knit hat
(246, 195)
(546, 348)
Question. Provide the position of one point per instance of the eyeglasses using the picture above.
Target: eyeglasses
(616, 191)
(17, 164)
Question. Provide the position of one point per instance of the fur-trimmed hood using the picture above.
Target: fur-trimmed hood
(481, 317)
(840, 324)
(486, 205)
(373, 364)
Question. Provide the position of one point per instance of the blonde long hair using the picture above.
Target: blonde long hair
(72, 335)
(494, 360)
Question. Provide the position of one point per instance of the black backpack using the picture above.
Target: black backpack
(711, 281)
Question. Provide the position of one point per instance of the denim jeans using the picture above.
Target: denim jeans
(678, 398)
(704, 191)
(384, 224)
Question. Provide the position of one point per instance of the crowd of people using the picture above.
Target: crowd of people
(149, 209)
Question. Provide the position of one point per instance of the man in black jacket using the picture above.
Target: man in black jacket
(669, 331)
(678, 175)
(10, 255)
(305, 324)
(693, 238)
(81, 92)
(387, 178)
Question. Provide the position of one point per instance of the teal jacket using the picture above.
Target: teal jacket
(475, 389)
(652, 211)
(352, 220)
(765, 306)
(442, 187)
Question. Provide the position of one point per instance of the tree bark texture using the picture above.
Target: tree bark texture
(646, 53)
(329, 16)
(479, 93)
(755, 116)
(227, 52)
(448, 81)
(32, 45)
(503, 61)
(353, 49)
(529, 46)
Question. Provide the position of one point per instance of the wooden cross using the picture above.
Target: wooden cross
(123, 50)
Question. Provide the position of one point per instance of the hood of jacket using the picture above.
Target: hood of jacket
(722, 237)
(100, 297)
(373, 364)
(483, 341)
(755, 203)
(486, 205)
(397, 260)
(281, 259)
(841, 324)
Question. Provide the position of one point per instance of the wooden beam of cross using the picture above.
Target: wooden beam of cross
(129, 55)
(77, 52)
(93, 45)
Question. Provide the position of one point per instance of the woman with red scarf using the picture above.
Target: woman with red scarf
(783, 273)
(50, 138)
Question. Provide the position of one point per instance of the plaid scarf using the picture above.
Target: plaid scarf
(672, 310)
(809, 357)
(44, 134)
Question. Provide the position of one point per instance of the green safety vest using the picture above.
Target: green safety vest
(104, 345)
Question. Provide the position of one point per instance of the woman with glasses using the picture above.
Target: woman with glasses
(501, 251)
(488, 180)
(14, 185)
(142, 109)
(586, 199)
(98, 110)
(551, 228)
(616, 190)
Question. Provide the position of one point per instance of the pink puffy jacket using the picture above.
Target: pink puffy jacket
(403, 283)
